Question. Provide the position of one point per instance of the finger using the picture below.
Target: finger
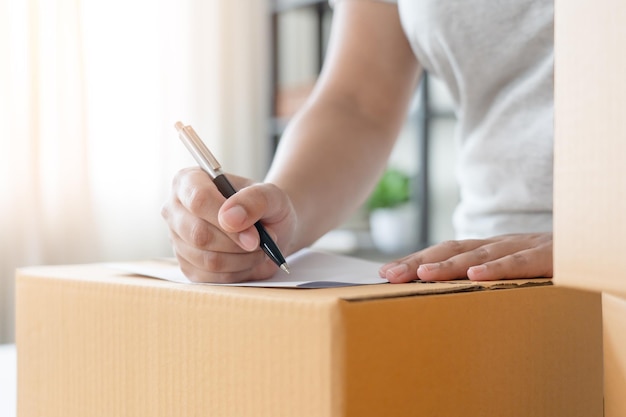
(221, 267)
(198, 232)
(196, 192)
(198, 195)
(405, 269)
(456, 267)
(202, 276)
(264, 202)
(398, 272)
(190, 181)
(529, 263)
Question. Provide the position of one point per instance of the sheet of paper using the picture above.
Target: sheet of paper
(309, 269)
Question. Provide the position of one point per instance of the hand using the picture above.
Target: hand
(502, 257)
(214, 239)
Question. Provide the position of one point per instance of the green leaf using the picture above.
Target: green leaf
(393, 189)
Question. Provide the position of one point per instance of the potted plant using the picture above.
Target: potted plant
(392, 217)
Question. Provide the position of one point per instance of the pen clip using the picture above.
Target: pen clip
(198, 150)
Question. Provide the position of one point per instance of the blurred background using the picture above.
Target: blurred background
(90, 92)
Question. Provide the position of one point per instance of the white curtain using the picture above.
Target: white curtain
(89, 93)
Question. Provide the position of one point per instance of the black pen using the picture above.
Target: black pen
(209, 164)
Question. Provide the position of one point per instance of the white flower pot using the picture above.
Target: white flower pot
(394, 230)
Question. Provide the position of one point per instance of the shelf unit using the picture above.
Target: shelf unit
(321, 9)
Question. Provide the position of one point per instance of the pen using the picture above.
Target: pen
(209, 164)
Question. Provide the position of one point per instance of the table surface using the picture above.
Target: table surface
(8, 381)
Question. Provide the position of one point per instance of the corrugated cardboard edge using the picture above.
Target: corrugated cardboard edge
(102, 273)
(450, 287)
(614, 337)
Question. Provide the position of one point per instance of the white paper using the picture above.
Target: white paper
(309, 269)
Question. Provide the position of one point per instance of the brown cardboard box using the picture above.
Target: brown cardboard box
(590, 169)
(590, 145)
(95, 342)
(614, 314)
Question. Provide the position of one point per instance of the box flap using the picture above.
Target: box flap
(102, 273)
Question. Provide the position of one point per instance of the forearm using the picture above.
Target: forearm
(327, 162)
(337, 146)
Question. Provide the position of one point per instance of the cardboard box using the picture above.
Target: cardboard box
(614, 313)
(590, 174)
(94, 342)
(590, 145)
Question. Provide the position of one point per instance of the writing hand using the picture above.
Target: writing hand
(214, 239)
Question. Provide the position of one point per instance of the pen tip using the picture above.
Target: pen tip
(285, 267)
(179, 126)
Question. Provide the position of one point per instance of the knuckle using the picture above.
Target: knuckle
(181, 179)
(212, 261)
(190, 273)
(199, 234)
(224, 278)
(197, 200)
(481, 254)
(205, 277)
(416, 258)
(519, 259)
(177, 179)
(452, 245)
(165, 210)
(254, 199)
(193, 277)
(449, 264)
(544, 239)
(198, 274)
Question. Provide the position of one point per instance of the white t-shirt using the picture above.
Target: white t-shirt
(497, 60)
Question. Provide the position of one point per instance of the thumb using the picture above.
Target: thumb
(260, 202)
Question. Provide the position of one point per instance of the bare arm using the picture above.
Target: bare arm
(336, 147)
(327, 162)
